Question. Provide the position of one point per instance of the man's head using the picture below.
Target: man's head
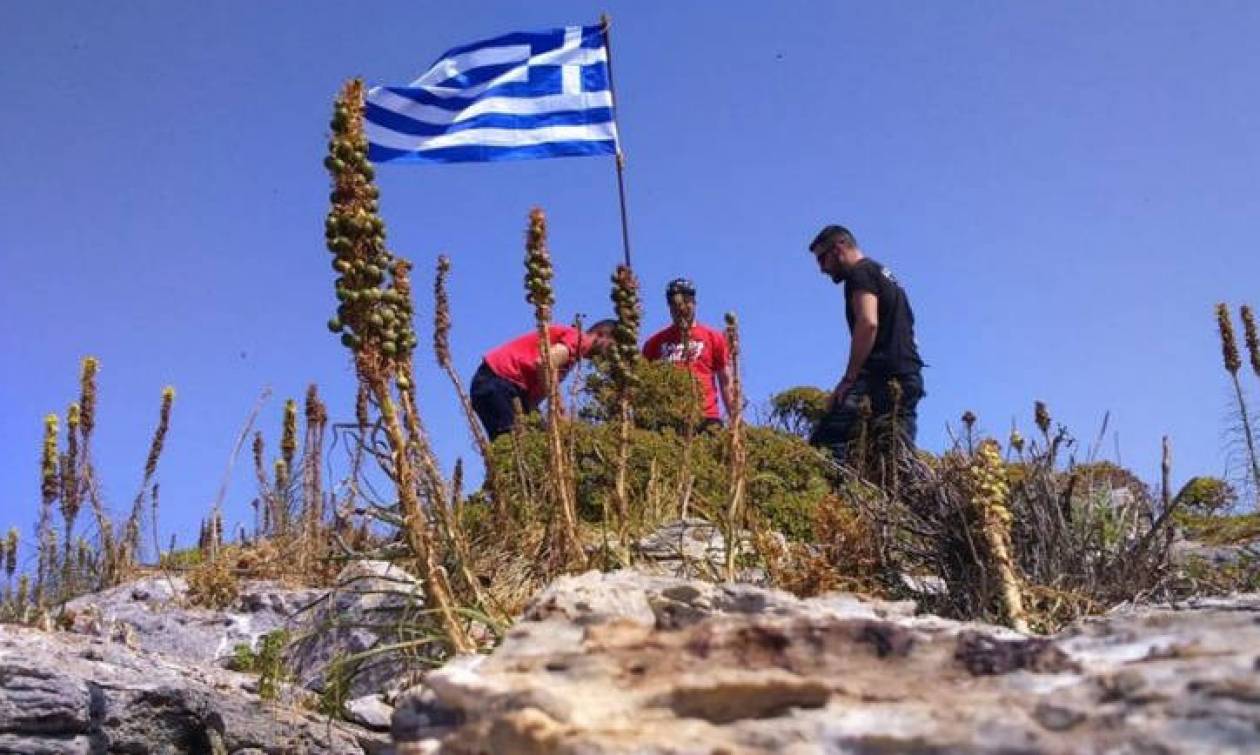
(680, 294)
(600, 336)
(836, 251)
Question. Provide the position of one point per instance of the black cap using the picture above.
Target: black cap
(682, 286)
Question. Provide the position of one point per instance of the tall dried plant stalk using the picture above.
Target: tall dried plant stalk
(316, 415)
(50, 484)
(624, 360)
(71, 491)
(1229, 345)
(1251, 338)
(281, 483)
(10, 552)
(739, 459)
(538, 274)
(216, 532)
(432, 483)
(1229, 350)
(87, 474)
(258, 452)
(969, 426)
(131, 538)
(989, 498)
(288, 433)
(442, 351)
(374, 321)
(1041, 418)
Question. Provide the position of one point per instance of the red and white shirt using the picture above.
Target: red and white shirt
(706, 356)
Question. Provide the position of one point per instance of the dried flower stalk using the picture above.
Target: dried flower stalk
(739, 460)
(988, 477)
(538, 291)
(375, 324)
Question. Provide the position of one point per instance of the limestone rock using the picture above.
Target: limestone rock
(363, 612)
(152, 614)
(371, 711)
(687, 548)
(639, 663)
(68, 693)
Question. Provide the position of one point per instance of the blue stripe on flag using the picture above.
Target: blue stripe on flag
(471, 154)
(404, 125)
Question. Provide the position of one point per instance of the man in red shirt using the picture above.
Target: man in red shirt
(705, 353)
(512, 371)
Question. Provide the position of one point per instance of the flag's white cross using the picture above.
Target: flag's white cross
(570, 75)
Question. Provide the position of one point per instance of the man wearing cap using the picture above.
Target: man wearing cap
(513, 371)
(882, 346)
(704, 354)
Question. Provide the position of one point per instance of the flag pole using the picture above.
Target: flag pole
(605, 23)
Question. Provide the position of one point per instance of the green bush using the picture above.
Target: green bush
(243, 658)
(798, 410)
(269, 663)
(665, 396)
(786, 477)
(1207, 495)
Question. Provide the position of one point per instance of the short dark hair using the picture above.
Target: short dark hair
(602, 326)
(834, 233)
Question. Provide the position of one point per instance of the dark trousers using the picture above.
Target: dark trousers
(841, 426)
(494, 401)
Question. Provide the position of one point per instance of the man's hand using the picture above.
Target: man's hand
(839, 392)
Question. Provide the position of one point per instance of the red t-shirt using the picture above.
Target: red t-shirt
(706, 358)
(517, 360)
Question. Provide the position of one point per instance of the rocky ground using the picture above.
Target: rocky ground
(135, 670)
(627, 663)
(631, 662)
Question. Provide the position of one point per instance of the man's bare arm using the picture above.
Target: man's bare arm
(559, 356)
(865, 326)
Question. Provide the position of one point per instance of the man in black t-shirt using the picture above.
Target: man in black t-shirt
(882, 347)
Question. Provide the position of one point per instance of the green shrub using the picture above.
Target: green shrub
(243, 658)
(665, 396)
(269, 663)
(797, 410)
(1207, 496)
(184, 558)
(786, 477)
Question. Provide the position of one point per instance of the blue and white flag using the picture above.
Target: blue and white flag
(520, 96)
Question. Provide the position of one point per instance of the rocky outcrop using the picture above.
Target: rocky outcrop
(635, 662)
(371, 601)
(370, 608)
(68, 694)
(137, 669)
(631, 663)
(153, 614)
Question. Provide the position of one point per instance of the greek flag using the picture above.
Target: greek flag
(520, 96)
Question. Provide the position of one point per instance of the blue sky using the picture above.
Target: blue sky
(1064, 188)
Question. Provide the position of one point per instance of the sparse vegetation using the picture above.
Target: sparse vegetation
(1023, 535)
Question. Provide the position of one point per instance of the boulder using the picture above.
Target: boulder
(153, 614)
(365, 612)
(629, 662)
(67, 693)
